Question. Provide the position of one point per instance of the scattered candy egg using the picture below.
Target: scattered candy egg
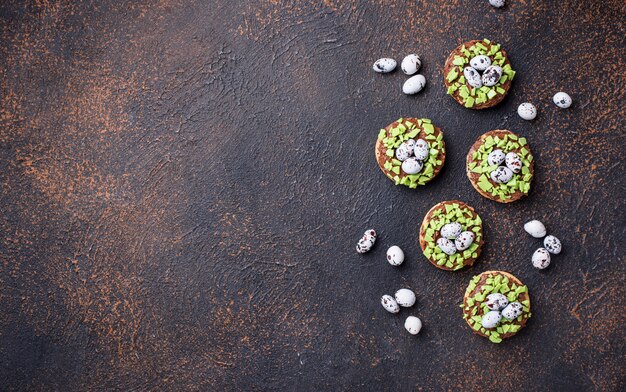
(480, 63)
(472, 77)
(496, 158)
(512, 311)
(395, 255)
(405, 298)
(414, 84)
(389, 304)
(411, 64)
(366, 242)
(497, 3)
(527, 111)
(492, 75)
(535, 228)
(491, 319)
(451, 230)
(464, 240)
(446, 246)
(541, 258)
(552, 244)
(384, 65)
(562, 100)
(513, 162)
(402, 153)
(496, 301)
(501, 175)
(413, 325)
(412, 166)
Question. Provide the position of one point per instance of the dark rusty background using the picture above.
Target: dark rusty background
(183, 184)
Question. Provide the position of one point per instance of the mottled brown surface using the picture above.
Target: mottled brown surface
(183, 185)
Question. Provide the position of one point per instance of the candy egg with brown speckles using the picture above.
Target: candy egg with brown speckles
(446, 246)
(421, 149)
(496, 158)
(403, 153)
(501, 175)
(552, 244)
(412, 166)
(464, 240)
(527, 111)
(389, 304)
(512, 311)
(491, 319)
(413, 325)
(562, 100)
(513, 162)
(451, 230)
(411, 64)
(472, 77)
(496, 301)
(541, 258)
(395, 255)
(492, 75)
(480, 63)
(384, 65)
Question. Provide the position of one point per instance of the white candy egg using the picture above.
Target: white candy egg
(512, 311)
(497, 3)
(541, 258)
(414, 84)
(421, 152)
(552, 244)
(402, 153)
(491, 319)
(411, 64)
(496, 158)
(389, 304)
(366, 242)
(501, 175)
(535, 228)
(496, 301)
(480, 63)
(451, 230)
(513, 162)
(562, 100)
(492, 75)
(395, 255)
(527, 111)
(413, 325)
(446, 246)
(412, 166)
(405, 298)
(472, 77)
(410, 144)
(464, 240)
(384, 65)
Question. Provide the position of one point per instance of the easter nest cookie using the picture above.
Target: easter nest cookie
(500, 166)
(496, 305)
(451, 235)
(478, 74)
(410, 151)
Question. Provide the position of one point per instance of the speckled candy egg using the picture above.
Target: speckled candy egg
(366, 242)
(497, 3)
(421, 149)
(552, 244)
(412, 166)
(496, 158)
(535, 228)
(405, 298)
(410, 144)
(389, 304)
(395, 255)
(562, 100)
(384, 65)
(464, 240)
(480, 63)
(527, 111)
(446, 246)
(402, 153)
(513, 162)
(491, 319)
(413, 325)
(541, 258)
(512, 311)
(411, 64)
(496, 301)
(492, 75)
(501, 175)
(451, 230)
(414, 84)
(472, 77)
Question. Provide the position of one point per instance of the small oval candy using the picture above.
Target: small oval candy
(541, 258)
(395, 255)
(405, 298)
(496, 301)
(446, 246)
(367, 241)
(480, 63)
(496, 158)
(421, 150)
(527, 111)
(451, 230)
(512, 311)
(410, 144)
(535, 228)
(402, 153)
(413, 325)
(501, 175)
(412, 166)
(491, 319)
(389, 304)
(464, 240)
(497, 3)
(414, 84)
(492, 75)
(552, 244)
(513, 162)
(562, 100)
(411, 64)
(472, 77)
(384, 65)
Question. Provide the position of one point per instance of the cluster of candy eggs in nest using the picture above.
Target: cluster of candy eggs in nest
(412, 154)
(499, 307)
(507, 165)
(481, 72)
(454, 239)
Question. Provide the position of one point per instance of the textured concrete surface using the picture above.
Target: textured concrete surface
(183, 184)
